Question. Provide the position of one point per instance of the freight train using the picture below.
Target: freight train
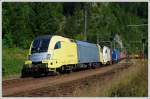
(60, 54)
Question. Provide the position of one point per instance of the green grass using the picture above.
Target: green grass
(134, 83)
(130, 82)
(12, 61)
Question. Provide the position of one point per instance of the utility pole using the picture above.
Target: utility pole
(97, 38)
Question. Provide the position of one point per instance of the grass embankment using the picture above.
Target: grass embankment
(132, 81)
(12, 61)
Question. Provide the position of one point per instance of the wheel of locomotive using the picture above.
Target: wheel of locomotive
(36, 74)
(25, 73)
(57, 72)
(69, 69)
(46, 73)
(62, 70)
(74, 68)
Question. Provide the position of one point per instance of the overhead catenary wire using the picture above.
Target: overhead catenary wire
(134, 25)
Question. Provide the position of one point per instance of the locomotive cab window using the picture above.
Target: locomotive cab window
(57, 45)
(106, 51)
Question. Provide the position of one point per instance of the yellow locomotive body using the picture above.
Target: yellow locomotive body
(66, 54)
(100, 54)
(61, 52)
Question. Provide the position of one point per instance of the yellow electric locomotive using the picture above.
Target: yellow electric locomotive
(57, 54)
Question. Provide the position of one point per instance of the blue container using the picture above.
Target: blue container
(115, 55)
(118, 55)
(87, 52)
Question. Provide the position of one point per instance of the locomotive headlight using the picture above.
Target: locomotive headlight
(48, 56)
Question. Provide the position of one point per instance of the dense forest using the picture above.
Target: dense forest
(21, 22)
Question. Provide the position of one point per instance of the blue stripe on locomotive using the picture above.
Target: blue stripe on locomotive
(87, 52)
(115, 55)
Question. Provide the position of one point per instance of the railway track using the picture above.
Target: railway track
(19, 87)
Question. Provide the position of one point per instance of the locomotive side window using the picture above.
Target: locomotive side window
(57, 45)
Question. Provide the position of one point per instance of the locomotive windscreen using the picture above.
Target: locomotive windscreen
(40, 44)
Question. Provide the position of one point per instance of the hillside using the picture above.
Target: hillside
(24, 21)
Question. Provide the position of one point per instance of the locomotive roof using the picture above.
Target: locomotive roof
(43, 37)
(85, 43)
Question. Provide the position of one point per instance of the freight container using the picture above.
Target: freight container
(115, 55)
(87, 52)
(106, 55)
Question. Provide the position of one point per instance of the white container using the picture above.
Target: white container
(106, 55)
